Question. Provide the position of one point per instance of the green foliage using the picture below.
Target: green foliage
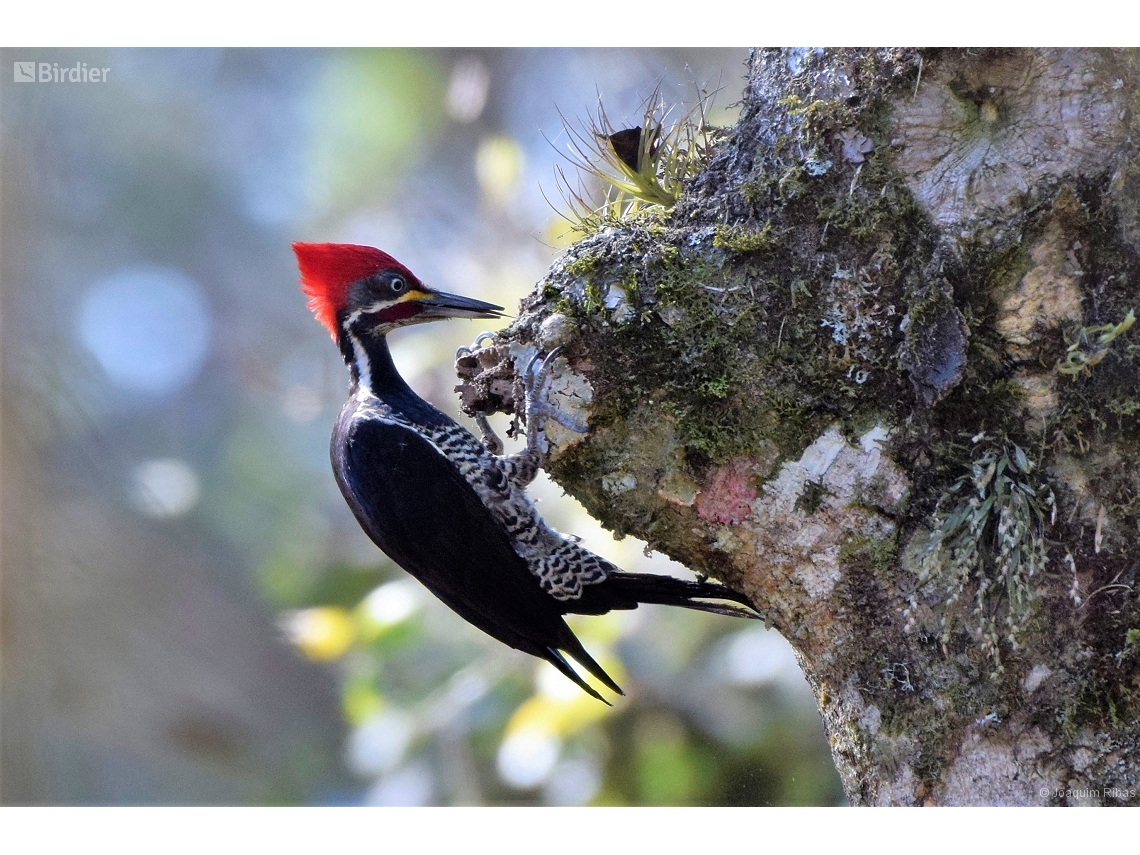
(1085, 351)
(642, 169)
(291, 584)
(670, 769)
(377, 111)
(989, 535)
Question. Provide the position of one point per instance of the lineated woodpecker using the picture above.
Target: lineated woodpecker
(437, 501)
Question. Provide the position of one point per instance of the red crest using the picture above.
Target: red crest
(327, 269)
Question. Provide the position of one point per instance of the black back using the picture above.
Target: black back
(417, 507)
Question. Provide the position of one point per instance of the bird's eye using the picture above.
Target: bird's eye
(398, 284)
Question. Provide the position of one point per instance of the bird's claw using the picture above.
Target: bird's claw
(490, 439)
(539, 410)
(535, 379)
(476, 345)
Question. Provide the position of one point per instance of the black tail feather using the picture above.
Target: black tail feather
(628, 590)
(555, 658)
(587, 661)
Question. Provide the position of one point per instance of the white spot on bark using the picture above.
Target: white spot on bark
(616, 482)
(819, 577)
(819, 456)
(1035, 678)
(871, 719)
(997, 771)
(555, 330)
(1081, 759)
(803, 539)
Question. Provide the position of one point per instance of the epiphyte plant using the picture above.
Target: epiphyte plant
(641, 168)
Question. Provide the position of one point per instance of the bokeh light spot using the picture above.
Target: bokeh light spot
(412, 786)
(378, 745)
(573, 782)
(391, 603)
(527, 756)
(499, 165)
(467, 89)
(148, 328)
(165, 488)
(554, 685)
(322, 633)
(758, 656)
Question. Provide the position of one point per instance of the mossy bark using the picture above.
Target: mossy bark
(874, 370)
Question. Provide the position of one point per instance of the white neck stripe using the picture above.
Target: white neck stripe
(363, 366)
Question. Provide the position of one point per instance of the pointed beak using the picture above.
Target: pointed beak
(436, 304)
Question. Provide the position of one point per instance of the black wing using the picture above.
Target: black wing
(418, 508)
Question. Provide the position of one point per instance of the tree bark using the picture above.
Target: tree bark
(875, 370)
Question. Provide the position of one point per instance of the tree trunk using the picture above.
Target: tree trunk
(875, 370)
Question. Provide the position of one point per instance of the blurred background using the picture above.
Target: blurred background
(190, 613)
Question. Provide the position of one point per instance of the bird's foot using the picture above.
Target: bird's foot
(538, 409)
(490, 439)
(476, 345)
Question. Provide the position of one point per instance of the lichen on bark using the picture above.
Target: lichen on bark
(855, 312)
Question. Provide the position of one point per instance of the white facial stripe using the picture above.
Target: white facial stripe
(366, 310)
(380, 305)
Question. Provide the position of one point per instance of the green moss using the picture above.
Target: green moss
(582, 267)
(790, 184)
(756, 191)
(709, 349)
(717, 388)
(1131, 644)
(1099, 405)
(740, 239)
(1099, 703)
(811, 499)
(873, 554)
(714, 348)
(877, 214)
